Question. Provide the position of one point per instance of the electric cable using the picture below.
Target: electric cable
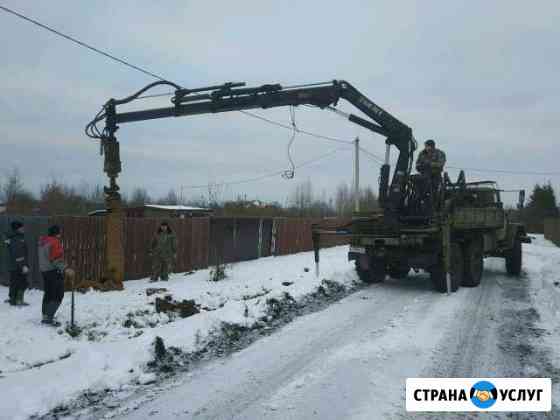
(290, 173)
(270, 174)
(82, 44)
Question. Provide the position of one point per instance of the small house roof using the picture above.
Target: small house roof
(176, 208)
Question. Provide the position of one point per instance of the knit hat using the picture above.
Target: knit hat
(54, 230)
(16, 224)
(430, 142)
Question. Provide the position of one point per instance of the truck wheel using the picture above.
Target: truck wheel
(514, 259)
(362, 274)
(474, 263)
(377, 271)
(456, 270)
(399, 272)
(377, 274)
(437, 275)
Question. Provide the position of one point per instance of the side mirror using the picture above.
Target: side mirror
(521, 202)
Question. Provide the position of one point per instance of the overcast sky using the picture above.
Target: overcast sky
(480, 77)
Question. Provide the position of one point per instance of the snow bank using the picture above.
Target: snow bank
(542, 264)
(42, 367)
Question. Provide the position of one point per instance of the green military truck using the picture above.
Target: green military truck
(469, 223)
(445, 229)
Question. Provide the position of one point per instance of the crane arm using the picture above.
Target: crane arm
(236, 97)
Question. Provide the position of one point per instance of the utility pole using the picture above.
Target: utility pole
(357, 174)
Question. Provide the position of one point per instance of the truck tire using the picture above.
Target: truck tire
(362, 274)
(474, 263)
(399, 272)
(514, 259)
(438, 275)
(375, 274)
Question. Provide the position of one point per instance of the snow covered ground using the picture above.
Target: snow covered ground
(347, 361)
(42, 367)
(542, 262)
(351, 360)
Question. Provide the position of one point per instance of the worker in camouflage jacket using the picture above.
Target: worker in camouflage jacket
(18, 263)
(430, 162)
(164, 252)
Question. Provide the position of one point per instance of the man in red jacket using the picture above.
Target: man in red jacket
(51, 264)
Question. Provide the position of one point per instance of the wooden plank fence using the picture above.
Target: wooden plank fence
(238, 239)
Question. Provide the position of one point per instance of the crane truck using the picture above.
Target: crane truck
(444, 229)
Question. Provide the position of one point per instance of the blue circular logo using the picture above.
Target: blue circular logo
(484, 394)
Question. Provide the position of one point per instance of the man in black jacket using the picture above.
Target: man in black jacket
(18, 263)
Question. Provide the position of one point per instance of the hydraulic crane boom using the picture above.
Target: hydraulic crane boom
(236, 97)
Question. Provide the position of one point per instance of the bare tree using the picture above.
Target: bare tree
(59, 199)
(343, 200)
(215, 192)
(171, 198)
(18, 200)
(97, 196)
(368, 199)
(140, 197)
(12, 186)
(302, 198)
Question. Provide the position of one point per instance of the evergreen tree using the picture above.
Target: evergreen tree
(541, 205)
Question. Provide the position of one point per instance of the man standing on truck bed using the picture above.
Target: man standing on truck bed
(430, 163)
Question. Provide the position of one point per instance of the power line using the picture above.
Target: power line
(81, 43)
(373, 160)
(289, 127)
(156, 76)
(371, 155)
(290, 173)
(308, 133)
(268, 175)
(503, 171)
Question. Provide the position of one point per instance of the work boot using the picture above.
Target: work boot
(51, 309)
(19, 299)
(50, 321)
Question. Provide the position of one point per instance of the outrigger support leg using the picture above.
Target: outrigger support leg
(316, 246)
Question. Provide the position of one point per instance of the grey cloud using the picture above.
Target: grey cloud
(481, 77)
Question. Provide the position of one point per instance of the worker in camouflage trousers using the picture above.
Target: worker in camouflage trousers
(164, 252)
(51, 264)
(18, 263)
(430, 163)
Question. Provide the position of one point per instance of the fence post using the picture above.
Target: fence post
(115, 242)
(259, 250)
(273, 237)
